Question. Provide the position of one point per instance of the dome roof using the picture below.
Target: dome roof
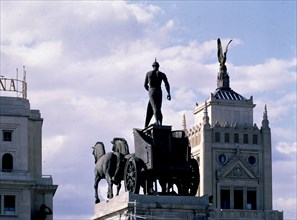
(228, 94)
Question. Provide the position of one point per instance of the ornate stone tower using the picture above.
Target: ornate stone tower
(234, 154)
(24, 191)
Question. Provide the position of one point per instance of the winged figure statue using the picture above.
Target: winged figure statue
(222, 57)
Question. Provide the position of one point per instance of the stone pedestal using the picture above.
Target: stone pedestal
(131, 206)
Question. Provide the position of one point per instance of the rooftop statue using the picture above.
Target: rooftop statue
(222, 57)
(152, 84)
(223, 78)
(161, 155)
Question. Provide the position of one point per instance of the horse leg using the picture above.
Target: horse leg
(110, 185)
(116, 177)
(97, 179)
(118, 188)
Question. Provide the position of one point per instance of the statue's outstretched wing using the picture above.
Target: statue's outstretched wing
(222, 57)
(226, 50)
(220, 52)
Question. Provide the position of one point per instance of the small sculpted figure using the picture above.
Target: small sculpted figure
(43, 212)
(152, 84)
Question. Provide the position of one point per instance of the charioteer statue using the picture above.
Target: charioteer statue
(152, 84)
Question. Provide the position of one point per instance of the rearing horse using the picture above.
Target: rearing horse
(106, 166)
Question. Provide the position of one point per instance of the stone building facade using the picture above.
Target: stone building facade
(23, 188)
(234, 156)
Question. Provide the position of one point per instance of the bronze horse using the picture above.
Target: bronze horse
(121, 149)
(110, 166)
(105, 167)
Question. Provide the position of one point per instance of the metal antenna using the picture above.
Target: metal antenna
(17, 79)
(24, 71)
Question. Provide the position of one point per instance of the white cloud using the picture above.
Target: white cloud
(56, 142)
(144, 14)
(285, 148)
(44, 54)
(273, 72)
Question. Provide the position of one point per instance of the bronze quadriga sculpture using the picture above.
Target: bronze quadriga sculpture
(161, 155)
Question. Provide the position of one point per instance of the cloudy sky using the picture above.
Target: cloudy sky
(86, 62)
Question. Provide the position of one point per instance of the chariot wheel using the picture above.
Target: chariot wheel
(194, 178)
(132, 175)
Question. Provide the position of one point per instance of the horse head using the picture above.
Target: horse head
(120, 145)
(98, 150)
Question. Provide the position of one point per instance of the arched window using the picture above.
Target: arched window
(7, 163)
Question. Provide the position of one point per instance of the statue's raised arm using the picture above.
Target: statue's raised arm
(222, 57)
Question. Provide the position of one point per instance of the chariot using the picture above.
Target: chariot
(164, 156)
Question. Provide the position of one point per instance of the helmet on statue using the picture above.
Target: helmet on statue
(155, 63)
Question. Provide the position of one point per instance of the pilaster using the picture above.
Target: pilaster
(267, 162)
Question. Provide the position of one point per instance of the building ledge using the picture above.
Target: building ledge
(224, 214)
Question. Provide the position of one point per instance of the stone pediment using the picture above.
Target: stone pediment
(236, 168)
